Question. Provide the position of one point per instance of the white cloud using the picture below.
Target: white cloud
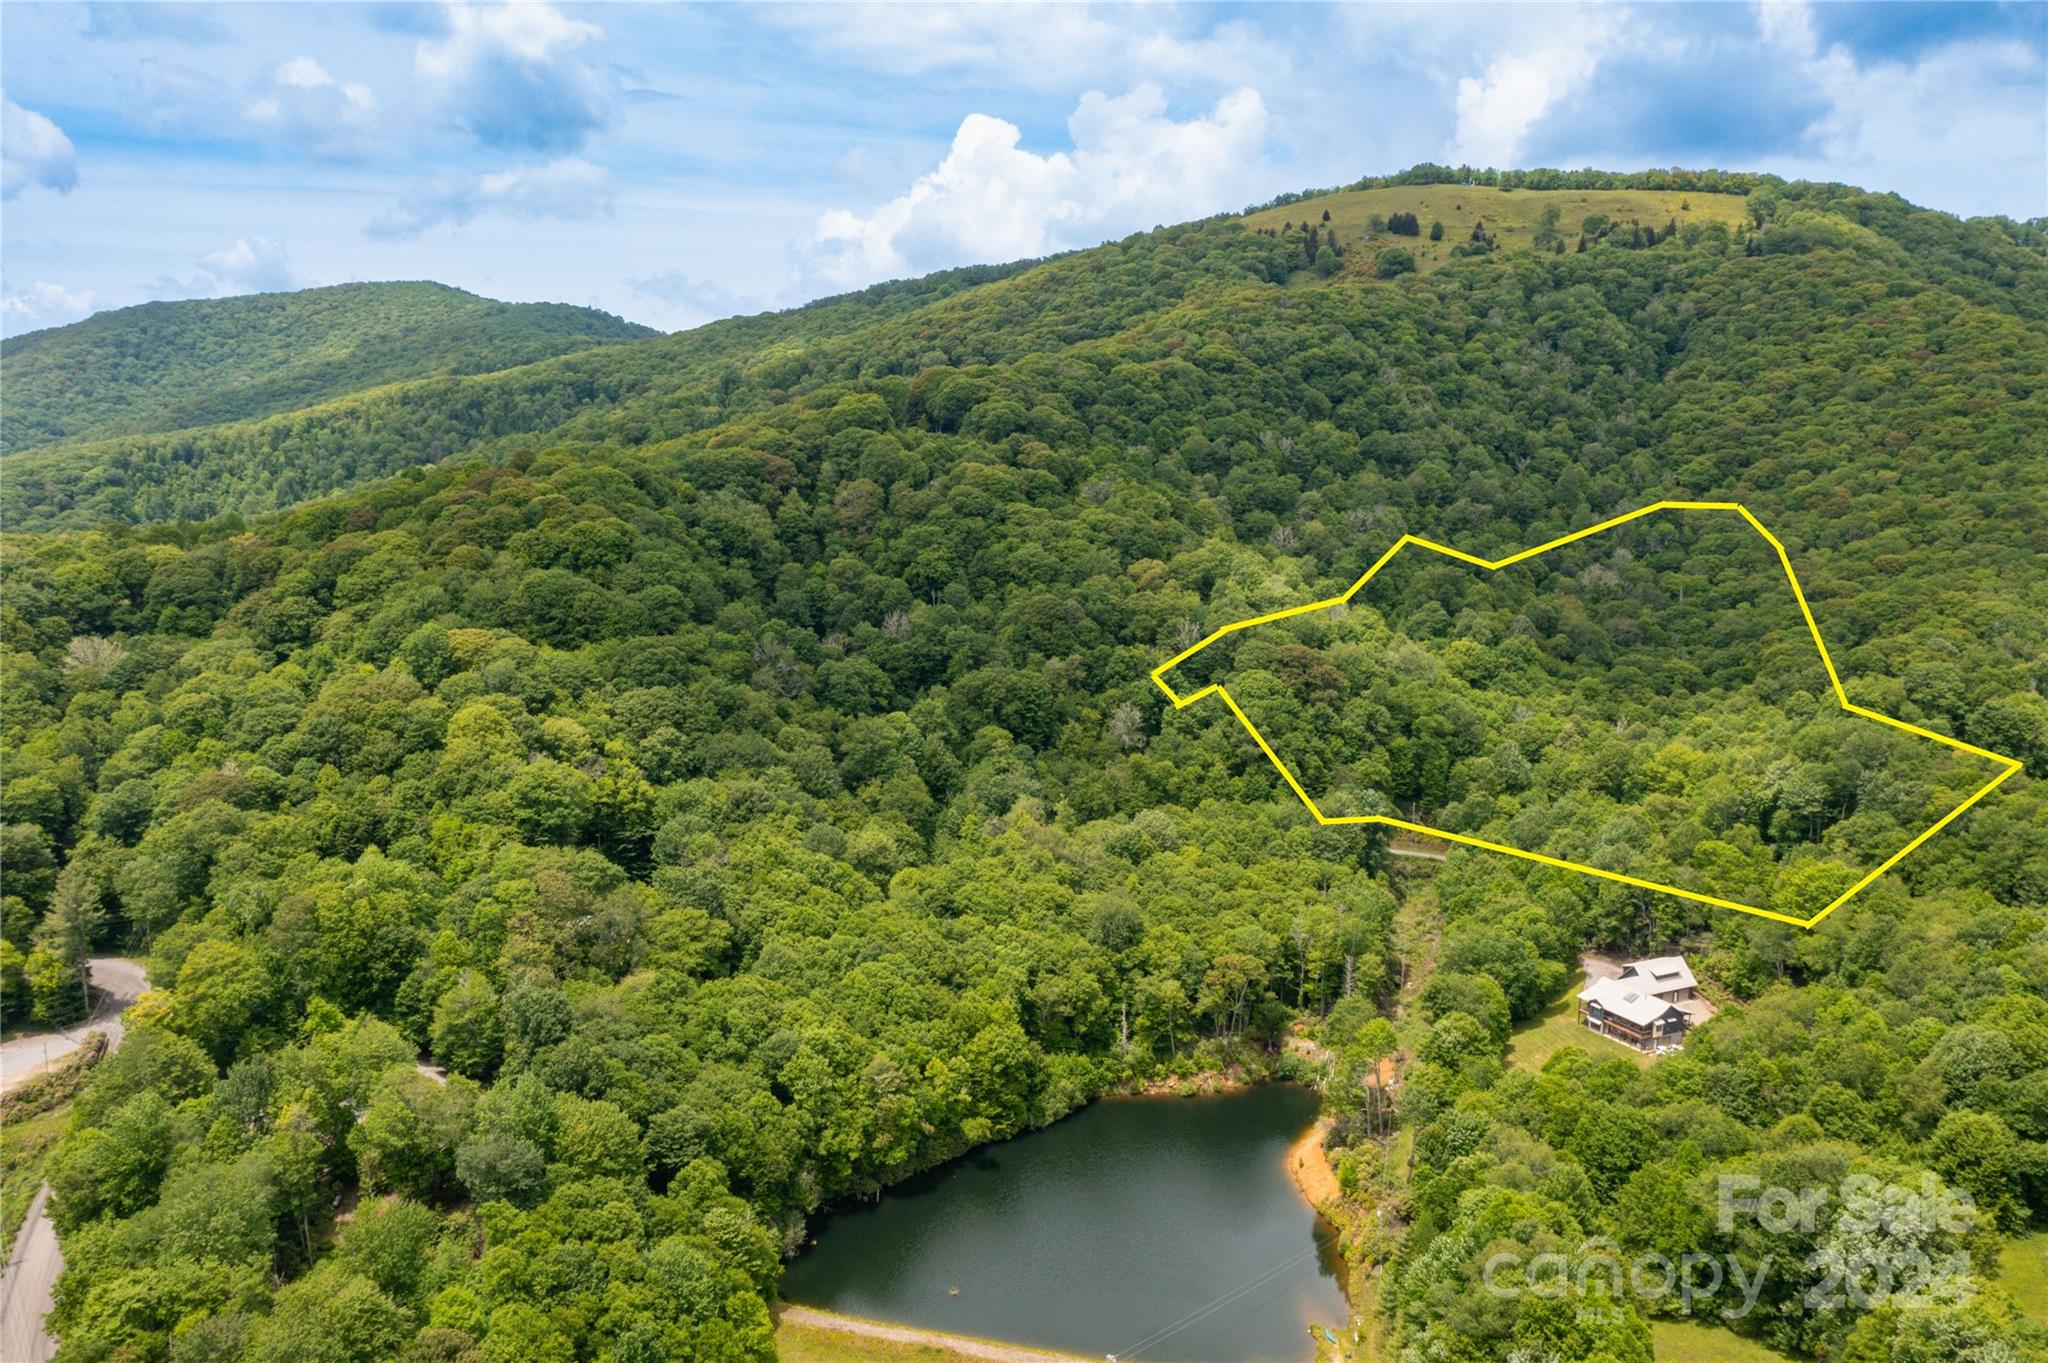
(1956, 128)
(512, 76)
(170, 98)
(1787, 24)
(245, 265)
(250, 265)
(1045, 46)
(33, 151)
(990, 199)
(1496, 109)
(304, 105)
(570, 188)
(43, 304)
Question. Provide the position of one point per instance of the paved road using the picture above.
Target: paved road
(961, 1346)
(25, 1292)
(119, 982)
(35, 1262)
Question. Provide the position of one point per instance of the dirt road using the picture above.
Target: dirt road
(957, 1346)
(33, 1266)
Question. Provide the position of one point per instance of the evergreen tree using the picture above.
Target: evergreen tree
(67, 931)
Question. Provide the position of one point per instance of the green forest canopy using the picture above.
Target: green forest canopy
(1691, 715)
(170, 366)
(739, 769)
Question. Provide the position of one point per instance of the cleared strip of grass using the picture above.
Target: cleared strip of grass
(1558, 1027)
(24, 1148)
(2023, 1273)
(1688, 1341)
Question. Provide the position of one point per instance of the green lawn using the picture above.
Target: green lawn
(1688, 1341)
(2023, 1273)
(1535, 1042)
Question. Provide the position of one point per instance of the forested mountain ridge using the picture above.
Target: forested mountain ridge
(669, 386)
(173, 366)
(264, 464)
(751, 789)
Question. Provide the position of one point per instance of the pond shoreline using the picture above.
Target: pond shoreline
(1207, 1084)
(1308, 1167)
(1157, 1196)
(956, 1345)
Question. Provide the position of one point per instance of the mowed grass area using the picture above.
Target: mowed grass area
(1688, 1341)
(1511, 215)
(1535, 1042)
(796, 1343)
(2023, 1273)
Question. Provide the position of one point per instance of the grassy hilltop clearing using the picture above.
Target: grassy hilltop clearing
(1514, 218)
(583, 820)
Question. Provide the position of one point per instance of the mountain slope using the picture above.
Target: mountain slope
(741, 772)
(665, 387)
(170, 366)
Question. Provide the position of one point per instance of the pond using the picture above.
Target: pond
(1161, 1229)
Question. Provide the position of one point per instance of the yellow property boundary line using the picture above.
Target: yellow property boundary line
(2009, 765)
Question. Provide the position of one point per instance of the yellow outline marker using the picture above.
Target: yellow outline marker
(2010, 765)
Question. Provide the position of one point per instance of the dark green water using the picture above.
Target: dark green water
(1095, 1235)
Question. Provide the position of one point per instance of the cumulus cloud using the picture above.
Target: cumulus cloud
(33, 151)
(1955, 127)
(245, 265)
(1945, 111)
(1787, 24)
(1496, 108)
(515, 76)
(43, 304)
(306, 106)
(1131, 167)
(250, 265)
(570, 188)
(1673, 79)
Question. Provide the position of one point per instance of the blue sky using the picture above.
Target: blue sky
(675, 164)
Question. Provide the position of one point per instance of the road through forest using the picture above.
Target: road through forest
(118, 981)
(33, 1266)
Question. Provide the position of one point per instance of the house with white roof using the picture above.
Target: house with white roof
(1641, 1005)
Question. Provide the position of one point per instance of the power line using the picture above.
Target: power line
(1166, 1332)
